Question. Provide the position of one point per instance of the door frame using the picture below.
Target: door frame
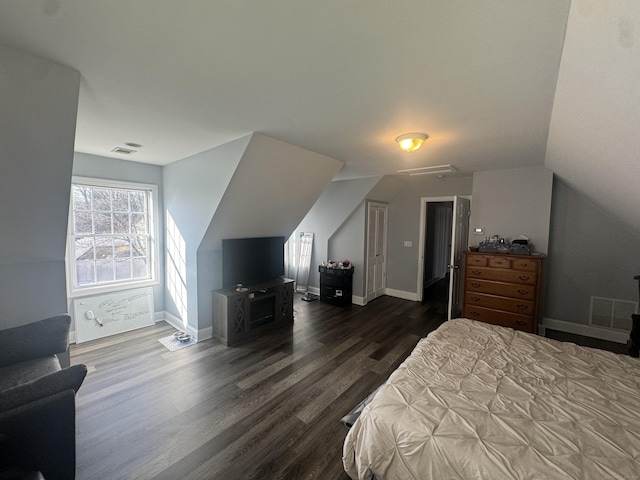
(385, 205)
(424, 201)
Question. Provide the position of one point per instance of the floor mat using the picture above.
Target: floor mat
(173, 344)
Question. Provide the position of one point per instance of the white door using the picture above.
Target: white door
(459, 243)
(376, 249)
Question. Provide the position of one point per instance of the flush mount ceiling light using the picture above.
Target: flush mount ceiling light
(435, 170)
(410, 142)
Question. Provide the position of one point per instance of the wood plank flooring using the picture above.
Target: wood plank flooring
(267, 409)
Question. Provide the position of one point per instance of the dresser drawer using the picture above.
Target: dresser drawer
(505, 319)
(478, 260)
(525, 264)
(525, 292)
(517, 262)
(502, 275)
(515, 305)
(499, 262)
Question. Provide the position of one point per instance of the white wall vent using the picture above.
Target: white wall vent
(612, 313)
(124, 151)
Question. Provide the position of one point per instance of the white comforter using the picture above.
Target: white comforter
(476, 401)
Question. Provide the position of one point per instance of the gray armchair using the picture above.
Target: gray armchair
(37, 399)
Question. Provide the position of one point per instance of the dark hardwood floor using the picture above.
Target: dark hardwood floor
(267, 409)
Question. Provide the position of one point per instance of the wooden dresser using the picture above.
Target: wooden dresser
(503, 289)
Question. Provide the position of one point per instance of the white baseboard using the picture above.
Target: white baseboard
(358, 301)
(204, 334)
(176, 323)
(314, 290)
(401, 294)
(586, 330)
(171, 319)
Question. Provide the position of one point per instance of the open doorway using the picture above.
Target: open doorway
(437, 251)
(444, 230)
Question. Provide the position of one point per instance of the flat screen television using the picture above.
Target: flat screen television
(251, 260)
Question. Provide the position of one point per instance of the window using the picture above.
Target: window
(112, 236)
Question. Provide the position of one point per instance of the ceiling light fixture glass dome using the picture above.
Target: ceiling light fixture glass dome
(410, 142)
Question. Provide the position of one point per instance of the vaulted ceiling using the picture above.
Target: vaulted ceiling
(495, 83)
(340, 78)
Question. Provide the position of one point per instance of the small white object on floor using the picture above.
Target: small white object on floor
(173, 342)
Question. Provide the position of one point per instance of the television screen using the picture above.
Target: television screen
(251, 260)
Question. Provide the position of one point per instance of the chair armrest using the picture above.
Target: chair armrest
(43, 435)
(69, 378)
(45, 337)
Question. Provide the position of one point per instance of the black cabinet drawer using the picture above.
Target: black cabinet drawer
(335, 295)
(334, 280)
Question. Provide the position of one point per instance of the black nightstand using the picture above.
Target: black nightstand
(336, 285)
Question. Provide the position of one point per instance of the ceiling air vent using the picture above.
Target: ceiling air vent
(123, 151)
(434, 170)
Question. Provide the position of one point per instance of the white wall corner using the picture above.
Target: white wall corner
(356, 300)
(171, 319)
(204, 334)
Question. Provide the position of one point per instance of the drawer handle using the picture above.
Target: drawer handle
(475, 285)
(524, 278)
(521, 322)
(474, 313)
(475, 299)
(522, 307)
(523, 292)
(524, 265)
(476, 272)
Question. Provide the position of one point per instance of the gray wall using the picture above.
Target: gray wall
(511, 203)
(591, 253)
(331, 212)
(348, 243)
(403, 195)
(94, 166)
(404, 224)
(593, 140)
(38, 105)
(272, 189)
(193, 188)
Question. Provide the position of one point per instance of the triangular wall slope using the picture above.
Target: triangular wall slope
(273, 187)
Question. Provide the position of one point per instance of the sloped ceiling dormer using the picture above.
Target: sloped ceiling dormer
(593, 142)
(272, 188)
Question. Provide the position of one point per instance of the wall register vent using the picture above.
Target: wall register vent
(611, 313)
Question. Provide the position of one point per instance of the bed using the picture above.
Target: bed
(476, 401)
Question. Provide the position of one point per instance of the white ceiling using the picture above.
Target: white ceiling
(338, 77)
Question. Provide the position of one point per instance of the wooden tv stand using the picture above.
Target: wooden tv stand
(241, 315)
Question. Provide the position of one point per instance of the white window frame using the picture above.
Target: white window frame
(154, 254)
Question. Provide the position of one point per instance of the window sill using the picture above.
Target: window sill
(119, 287)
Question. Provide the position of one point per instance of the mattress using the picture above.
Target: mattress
(477, 401)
